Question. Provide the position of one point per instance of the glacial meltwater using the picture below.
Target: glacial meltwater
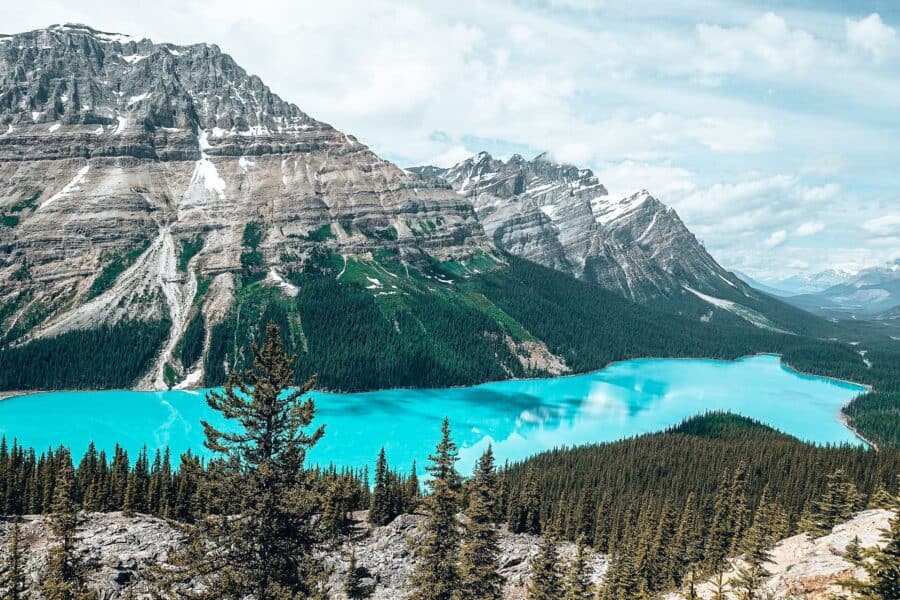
(519, 418)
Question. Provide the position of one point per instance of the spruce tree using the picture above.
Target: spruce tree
(12, 582)
(353, 586)
(436, 575)
(577, 583)
(837, 504)
(381, 511)
(480, 554)
(545, 582)
(266, 549)
(411, 491)
(64, 576)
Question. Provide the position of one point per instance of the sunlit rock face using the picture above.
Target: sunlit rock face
(562, 217)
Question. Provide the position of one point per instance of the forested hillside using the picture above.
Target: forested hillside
(677, 503)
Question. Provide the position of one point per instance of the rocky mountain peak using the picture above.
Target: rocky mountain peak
(117, 153)
(155, 98)
(561, 216)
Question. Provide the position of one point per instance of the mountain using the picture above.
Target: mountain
(136, 177)
(869, 292)
(562, 217)
(811, 283)
(158, 205)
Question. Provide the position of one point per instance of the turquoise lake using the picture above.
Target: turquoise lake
(519, 418)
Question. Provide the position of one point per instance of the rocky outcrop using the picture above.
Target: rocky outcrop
(119, 552)
(111, 145)
(562, 217)
(389, 555)
(812, 568)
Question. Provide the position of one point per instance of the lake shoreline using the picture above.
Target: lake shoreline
(4, 395)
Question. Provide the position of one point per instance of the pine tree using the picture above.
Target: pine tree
(545, 582)
(353, 586)
(12, 582)
(479, 557)
(882, 498)
(525, 510)
(411, 491)
(837, 504)
(381, 511)
(266, 549)
(436, 576)
(64, 577)
(853, 551)
(577, 583)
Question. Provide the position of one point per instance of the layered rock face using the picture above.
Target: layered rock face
(562, 217)
(112, 145)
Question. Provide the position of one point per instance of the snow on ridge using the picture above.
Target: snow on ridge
(606, 210)
(70, 187)
(749, 315)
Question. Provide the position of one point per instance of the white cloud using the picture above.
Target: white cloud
(888, 225)
(450, 157)
(765, 43)
(810, 228)
(663, 181)
(872, 36)
(776, 239)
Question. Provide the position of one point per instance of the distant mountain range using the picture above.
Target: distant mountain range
(161, 192)
(872, 291)
(807, 283)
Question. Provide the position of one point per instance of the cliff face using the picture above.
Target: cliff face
(562, 217)
(118, 550)
(115, 149)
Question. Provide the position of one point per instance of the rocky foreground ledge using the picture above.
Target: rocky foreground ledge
(119, 548)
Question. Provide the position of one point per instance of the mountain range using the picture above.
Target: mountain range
(873, 292)
(160, 193)
(870, 292)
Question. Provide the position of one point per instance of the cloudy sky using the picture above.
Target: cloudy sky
(774, 129)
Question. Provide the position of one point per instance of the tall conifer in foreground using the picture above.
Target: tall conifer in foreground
(266, 549)
(436, 576)
(577, 583)
(837, 504)
(381, 511)
(479, 557)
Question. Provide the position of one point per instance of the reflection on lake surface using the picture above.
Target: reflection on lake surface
(519, 418)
